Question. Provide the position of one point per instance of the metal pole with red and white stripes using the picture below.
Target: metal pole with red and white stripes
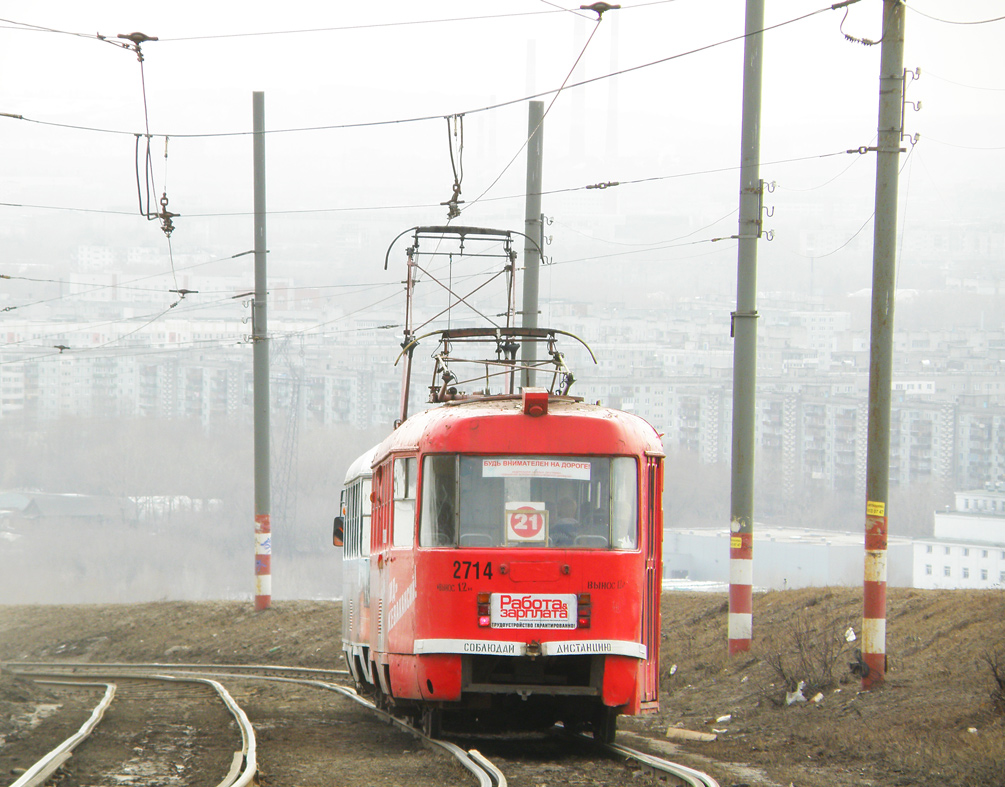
(741, 581)
(877, 482)
(260, 358)
(874, 596)
(744, 332)
(263, 561)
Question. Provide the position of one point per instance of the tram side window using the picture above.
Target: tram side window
(354, 521)
(356, 504)
(405, 484)
(438, 525)
(363, 507)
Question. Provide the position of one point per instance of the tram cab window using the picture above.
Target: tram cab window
(405, 484)
(438, 525)
(565, 502)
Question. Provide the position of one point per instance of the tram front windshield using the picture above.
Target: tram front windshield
(529, 501)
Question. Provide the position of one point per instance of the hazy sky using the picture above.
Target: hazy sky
(673, 124)
(668, 130)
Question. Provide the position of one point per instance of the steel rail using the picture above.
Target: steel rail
(38, 773)
(249, 746)
(487, 774)
(157, 665)
(690, 776)
(488, 765)
(245, 762)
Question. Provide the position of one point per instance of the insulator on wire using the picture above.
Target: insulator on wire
(166, 216)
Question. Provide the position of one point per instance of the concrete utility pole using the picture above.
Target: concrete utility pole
(260, 343)
(877, 477)
(532, 228)
(744, 332)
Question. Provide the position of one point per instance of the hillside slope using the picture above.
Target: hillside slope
(934, 721)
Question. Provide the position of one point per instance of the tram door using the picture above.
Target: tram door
(381, 543)
(653, 580)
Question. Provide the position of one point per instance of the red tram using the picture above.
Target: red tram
(502, 558)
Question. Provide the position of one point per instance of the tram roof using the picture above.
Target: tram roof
(570, 426)
(361, 465)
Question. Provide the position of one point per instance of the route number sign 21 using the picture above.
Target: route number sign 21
(526, 522)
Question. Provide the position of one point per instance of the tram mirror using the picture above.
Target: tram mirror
(338, 531)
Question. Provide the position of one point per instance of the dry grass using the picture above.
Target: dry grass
(937, 719)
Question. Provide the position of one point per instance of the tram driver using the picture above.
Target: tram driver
(566, 527)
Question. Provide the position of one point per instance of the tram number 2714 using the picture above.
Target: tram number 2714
(465, 569)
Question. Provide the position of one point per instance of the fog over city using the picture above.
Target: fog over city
(125, 353)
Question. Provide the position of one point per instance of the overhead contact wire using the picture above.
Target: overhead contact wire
(566, 190)
(426, 118)
(554, 98)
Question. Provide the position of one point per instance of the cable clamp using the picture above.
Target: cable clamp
(732, 320)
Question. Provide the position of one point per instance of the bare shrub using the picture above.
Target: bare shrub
(996, 661)
(809, 654)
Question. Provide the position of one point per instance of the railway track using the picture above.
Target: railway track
(151, 731)
(257, 684)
